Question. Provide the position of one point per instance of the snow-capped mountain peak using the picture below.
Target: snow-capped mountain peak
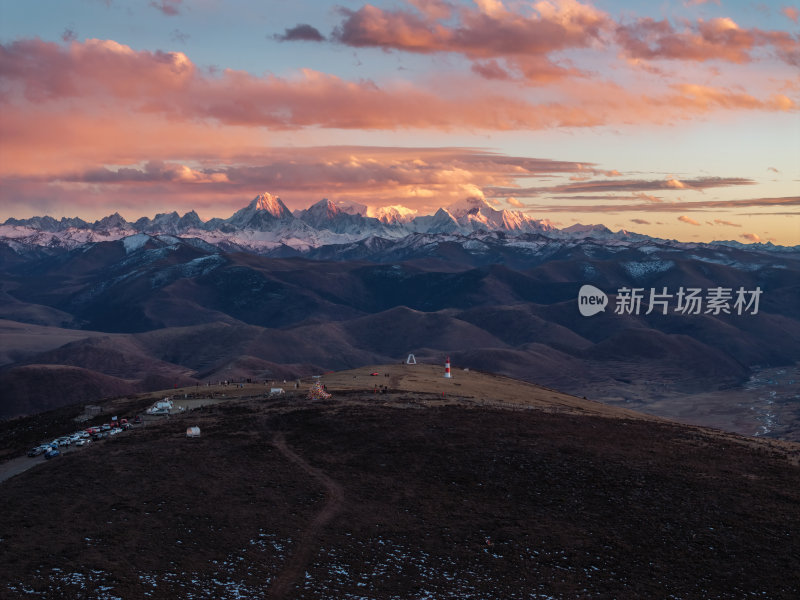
(267, 225)
(477, 214)
(470, 206)
(392, 215)
(115, 221)
(261, 214)
(325, 208)
(351, 208)
(580, 228)
(271, 204)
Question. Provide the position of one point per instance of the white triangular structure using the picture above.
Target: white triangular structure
(411, 360)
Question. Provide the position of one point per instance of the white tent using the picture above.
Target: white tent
(192, 432)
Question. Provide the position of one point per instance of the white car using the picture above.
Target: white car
(115, 431)
(82, 442)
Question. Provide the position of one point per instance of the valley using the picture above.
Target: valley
(159, 304)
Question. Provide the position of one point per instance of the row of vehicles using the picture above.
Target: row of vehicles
(80, 438)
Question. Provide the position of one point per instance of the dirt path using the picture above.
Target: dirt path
(18, 465)
(306, 545)
(15, 466)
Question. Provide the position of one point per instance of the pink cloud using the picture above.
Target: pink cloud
(478, 32)
(490, 70)
(150, 123)
(526, 38)
(647, 197)
(489, 31)
(637, 186)
(689, 220)
(102, 76)
(420, 178)
(791, 13)
(681, 206)
(728, 223)
(169, 7)
(751, 237)
(714, 39)
(705, 98)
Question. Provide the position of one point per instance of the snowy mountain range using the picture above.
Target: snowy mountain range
(267, 226)
(266, 223)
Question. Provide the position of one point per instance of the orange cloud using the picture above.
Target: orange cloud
(525, 38)
(715, 39)
(487, 32)
(514, 202)
(647, 197)
(692, 205)
(728, 223)
(104, 77)
(626, 185)
(490, 30)
(420, 178)
(751, 237)
(791, 13)
(675, 184)
(690, 221)
(706, 98)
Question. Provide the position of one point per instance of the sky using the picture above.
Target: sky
(679, 120)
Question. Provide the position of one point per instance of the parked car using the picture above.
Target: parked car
(35, 451)
(105, 427)
(64, 441)
(83, 442)
(52, 454)
(115, 431)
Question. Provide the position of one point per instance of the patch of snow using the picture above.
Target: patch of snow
(639, 269)
(133, 243)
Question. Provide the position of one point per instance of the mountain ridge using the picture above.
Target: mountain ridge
(267, 226)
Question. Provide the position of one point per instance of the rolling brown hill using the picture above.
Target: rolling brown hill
(184, 309)
(479, 486)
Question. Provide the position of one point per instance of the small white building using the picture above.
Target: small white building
(162, 407)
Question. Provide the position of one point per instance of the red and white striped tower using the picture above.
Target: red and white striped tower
(447, 369)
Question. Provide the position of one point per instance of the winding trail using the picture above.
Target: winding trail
(306, 546)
